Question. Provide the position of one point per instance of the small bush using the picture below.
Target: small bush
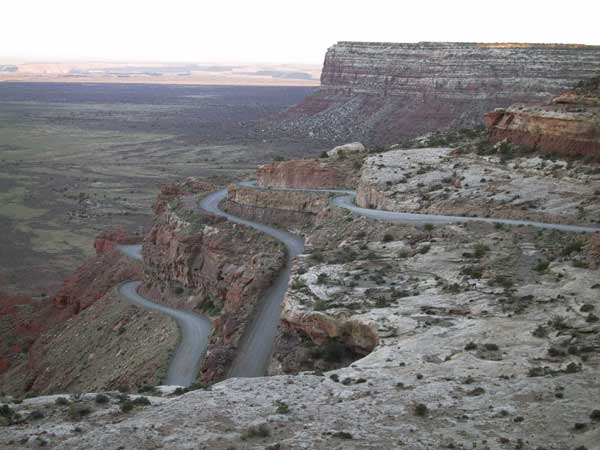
(35, 415)
(102, 399)
(282, 407)
(77, 412)
(260, 431)
(428, 227)
(127, 406)
(387, 237)
(61, 401)
(421, 410)
(572, 247)
(323, 154)
(342, 435)
(541, 266)
(480, 249)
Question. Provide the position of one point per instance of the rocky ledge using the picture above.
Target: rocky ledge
(205, 264)
(501, 184)
(568, 125)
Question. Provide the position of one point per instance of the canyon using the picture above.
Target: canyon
(398, 328)
(435, 336)
(383, 93)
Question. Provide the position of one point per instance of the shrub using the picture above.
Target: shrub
(282, 407)
(342, 435)
(127, 406)
(428, 227)
(102, 399)
(424, 249)
(323, 154)
(572, 247)
(261, 430)
(541, 266)
(480, 249)
(76, 412)
(61, 401)
(141, 401)
(387, 237)
(421, 410)
(35, 415)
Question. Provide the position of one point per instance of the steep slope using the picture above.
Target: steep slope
(386, 92)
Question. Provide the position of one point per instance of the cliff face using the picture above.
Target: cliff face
(570, 124)
(386, 92)
(308, 174)
(207, 264)
(290, 209)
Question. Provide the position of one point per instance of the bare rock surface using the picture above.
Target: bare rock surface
(439, 181)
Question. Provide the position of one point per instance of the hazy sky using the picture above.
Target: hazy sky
(273, 30)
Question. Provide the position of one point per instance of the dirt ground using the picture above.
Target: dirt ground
(77, 158)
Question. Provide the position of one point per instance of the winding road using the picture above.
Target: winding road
(194, 329)
(255, 350)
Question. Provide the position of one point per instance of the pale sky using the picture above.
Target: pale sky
(273, 31)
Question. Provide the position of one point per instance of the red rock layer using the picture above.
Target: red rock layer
(307, 174)
(562, 127)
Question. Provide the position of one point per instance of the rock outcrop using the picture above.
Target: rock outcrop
(443, 181)
(308, 174)
(569, 124)
(204, 263)
(385, 92)
(288, 209)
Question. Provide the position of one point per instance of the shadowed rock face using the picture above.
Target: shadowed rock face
(385, 92)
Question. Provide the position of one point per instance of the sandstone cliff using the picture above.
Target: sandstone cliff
(309, 174)
(386, 92)
(204, 263)
(569, 124)
(288, 209)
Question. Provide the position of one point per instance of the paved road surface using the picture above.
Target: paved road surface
(194, 330)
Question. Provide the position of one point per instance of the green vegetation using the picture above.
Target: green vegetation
(332, 351)
(281, 407)
(258, 431)
(480, 249)
(77, 411)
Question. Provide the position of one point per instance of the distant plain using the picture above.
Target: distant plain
(76, 158)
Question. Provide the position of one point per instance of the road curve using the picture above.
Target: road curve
(194, 329)
(255, 349)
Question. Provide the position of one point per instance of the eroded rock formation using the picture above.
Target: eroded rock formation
(288, 209)
(569, 124)
(204, 263)
(308, 174)
(386, 92)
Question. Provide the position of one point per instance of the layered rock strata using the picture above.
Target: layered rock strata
(308, 174)
(569, 124)
(288, 209)
(386, 92)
